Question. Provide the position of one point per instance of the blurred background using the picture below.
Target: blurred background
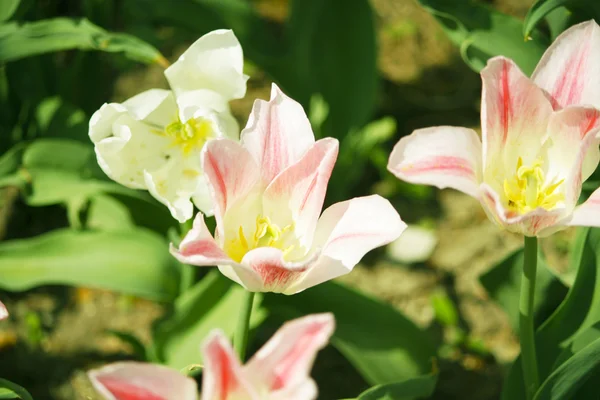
(84, 263)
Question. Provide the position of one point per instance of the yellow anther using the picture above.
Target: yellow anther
(266, 234)
(189, 135)
(526, 191)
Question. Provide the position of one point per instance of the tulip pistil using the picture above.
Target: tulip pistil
(528, 190)
(191, 135)
(266, 234)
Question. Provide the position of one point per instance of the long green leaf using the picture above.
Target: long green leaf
(579, 311)
(10, 390)
(33, 38)
(563, 383)
(481, 33)
(503, 281)
(8, 8)
(134, 261)
(344, 63)
(378, 340)
(411, 389)
(213, 303)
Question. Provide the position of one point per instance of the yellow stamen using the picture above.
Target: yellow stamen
(191, 135)
(266, 234)
(526, 192)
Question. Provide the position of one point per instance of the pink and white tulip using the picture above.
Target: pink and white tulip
(268, 193)
(3, 311)
(280, 370)
(539, 141)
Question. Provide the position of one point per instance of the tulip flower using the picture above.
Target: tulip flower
(153, 140)
(278, 371)
(268, 193)
(3, 311)
(539, 141)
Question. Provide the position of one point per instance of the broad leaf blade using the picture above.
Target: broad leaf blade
(503, 281)
(579, 311)
(135, 262)
(378, 340)
(213, 303)
(563, 383)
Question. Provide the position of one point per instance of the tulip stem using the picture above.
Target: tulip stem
(526, 326)
(240, 340)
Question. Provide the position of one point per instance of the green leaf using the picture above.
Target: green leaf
(345, 63)
(378, 340)
(10, 390)
(8, 8)
(410, 389)
(503, 283)
(578, 312)
(542, 8)
(212, 303)
(563, 383)
(33, 38)
(71, 178)
(135, 262)
(57, 118)
(482, 33)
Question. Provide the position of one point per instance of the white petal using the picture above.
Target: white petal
(514, 118)
(277, 134)
(222, 376)
(346, 232)
(3, 311)
(142, 381)
(443, 156)
(285, 361)
(588, 213)
(126, 145)
(568, 70)
(214, 62)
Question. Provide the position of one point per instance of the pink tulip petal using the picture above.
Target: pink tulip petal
(287, 358)
(222, 376)
(231, 173)
(588, 213)
(296, 195)
(276, 275)
(306, 390)
(574, 147)
(278, 133)
(345, 233)
(514, 116)
(141, 381)
(443, 156)
(568, 71)
(3, 311)
(198, 247)
(539, 222)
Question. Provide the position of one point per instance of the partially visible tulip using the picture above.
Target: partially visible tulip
(153, 140)
(268, 193)
(3, 311)
(540, 141)
(280, 370)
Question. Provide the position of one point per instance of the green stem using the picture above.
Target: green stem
(526, 327)
(240, 340)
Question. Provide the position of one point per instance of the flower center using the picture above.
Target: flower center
(190, 135)
(526, 191)
(266, 234)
